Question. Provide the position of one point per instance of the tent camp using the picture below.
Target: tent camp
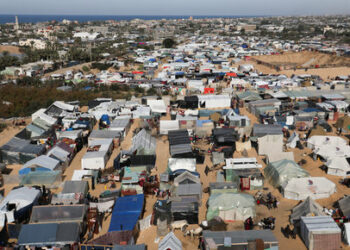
(319, 141)
(338, 166)
(320, 232)
(314, 187)
(41, 163)
(214, 101)
(280, 172)
(231, 206)
(306, 208)
(347, 233)
(51, 234)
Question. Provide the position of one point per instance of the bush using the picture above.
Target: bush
(86, 68)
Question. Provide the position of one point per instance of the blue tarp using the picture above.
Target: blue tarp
(105, 118)
(126, 213)
(152, 60)
(201, 122)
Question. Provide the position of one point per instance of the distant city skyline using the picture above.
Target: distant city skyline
(178, 7)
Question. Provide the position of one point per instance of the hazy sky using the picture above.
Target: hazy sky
(176, 7)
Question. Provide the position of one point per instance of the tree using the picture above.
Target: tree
(85, 68)
(168, 43)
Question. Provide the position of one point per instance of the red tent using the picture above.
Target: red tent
(209, 90)
(137, 73)
(232, 74)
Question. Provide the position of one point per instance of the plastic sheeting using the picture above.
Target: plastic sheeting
(231, 206)
(314, 187)
(182, 163)
(280, 172)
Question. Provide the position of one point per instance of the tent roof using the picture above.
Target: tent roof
(22, 197)
(126, 212)
(51, 214)
(306, 208)
(344, 205)
(170, 241)
(75, 187)
(42, 161)
(49, 234)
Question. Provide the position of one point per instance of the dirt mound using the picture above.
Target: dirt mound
(304, 59)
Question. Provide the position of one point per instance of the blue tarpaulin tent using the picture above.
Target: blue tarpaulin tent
(105, 118)
(126, 213)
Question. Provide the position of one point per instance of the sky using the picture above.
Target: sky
(175, 7)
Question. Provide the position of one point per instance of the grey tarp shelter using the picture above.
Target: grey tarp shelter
(19, 151)
(170, 242)
(70, 187)
(344, 205)
(65, 213)
(51, 234)
(308, 207)
(215, 240)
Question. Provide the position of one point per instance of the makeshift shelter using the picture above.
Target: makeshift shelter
(19, 151)
(247, 239)
(17, 205)
(109, 239)
(157, 106)
(97, 154)
(185, 208)
(120, 124)
(51, 234)
(306, 208)
(41, 163)
(188, 164)
(214, 101)
(166, 125)
(274, 156)
(144, 142)
(260, 130)
(269, 144)
(231, 206)
(344, 206)
(75, 187)
(58, 214)
(315, 142)
(187, 184)
(320, 232)
(338, 166)
(126, 213)
(282, 171)
(179, 143)
(49, 179)
(314, 187)
(170, 242)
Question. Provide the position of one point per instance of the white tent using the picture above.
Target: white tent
(157, 106)
(182, 163)
(318, 141)
(168, 125)
(214, 101)
(301, 188)
(98, 154)
(338, 166)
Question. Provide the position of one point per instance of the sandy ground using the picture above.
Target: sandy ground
(10, 49)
